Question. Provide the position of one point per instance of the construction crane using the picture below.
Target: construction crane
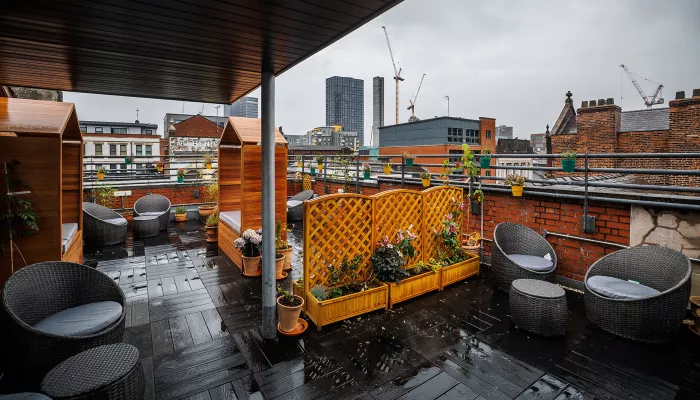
(397, 74)
(412, 107)
(655, 98)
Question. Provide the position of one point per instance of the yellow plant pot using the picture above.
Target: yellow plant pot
(159, 169)
(387, 170)
(426, 182)
(298, 164)
(207, 165)
(100, 176)
(320, 167)
(517, 190)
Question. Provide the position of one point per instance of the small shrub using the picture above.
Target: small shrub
(569, 155)
(320, 292)
(514, 180)
(180, 210)
(213, 220)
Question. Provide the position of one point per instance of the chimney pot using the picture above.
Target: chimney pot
(591, 103)
(584, 104)
(601, 102)
(680, 95)
(696, 92)
(610, 101)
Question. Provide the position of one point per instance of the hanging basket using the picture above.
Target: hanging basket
(409, 162)
(517, 190)
(313, 171)
(475, 207)
(568, 164)
(387, 170)
(485, 162)
(366, 175)
(426, 182)
(127, 160)
(180, 179)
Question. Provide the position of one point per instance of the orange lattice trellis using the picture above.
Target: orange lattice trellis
(399, 209)
(437, 203)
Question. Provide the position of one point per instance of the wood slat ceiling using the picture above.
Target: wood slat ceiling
(197, 50)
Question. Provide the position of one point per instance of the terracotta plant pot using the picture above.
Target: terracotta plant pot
(205, 211)
(212, 233)
(387, 170)
(289, 316)
(251, 265)
(279, 266)
(426, 182)
(181, 217)
(287, 257)
(517, 190)
(207, 165)
(100, 176)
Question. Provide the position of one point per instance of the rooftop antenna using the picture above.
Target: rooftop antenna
(217, 110)
(137, 115)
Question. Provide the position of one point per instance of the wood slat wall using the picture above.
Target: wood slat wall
(229, 179)
(72, 183)
(251, 184)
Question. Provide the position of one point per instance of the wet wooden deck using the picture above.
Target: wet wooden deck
(195, 319)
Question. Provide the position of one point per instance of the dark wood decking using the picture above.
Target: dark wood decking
(195, 319)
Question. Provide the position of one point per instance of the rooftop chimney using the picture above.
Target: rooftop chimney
(584, 104)
(680, 95)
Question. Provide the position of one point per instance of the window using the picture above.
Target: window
(457, 157)
(98, 149)
(454, 135)
(112, 166)
(98, 129)
(149, 131)
(488, 134)
(83, 128)
(122, 167)
(139, 150)
(148, 150)
(118, 130)
(122, 149)
(488, 172)
(112, 149)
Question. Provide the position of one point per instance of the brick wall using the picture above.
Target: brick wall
(197, 126)
(177, 193)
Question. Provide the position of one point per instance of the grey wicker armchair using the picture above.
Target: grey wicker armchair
(41, 290)
(511, 239)
(154, 205)
(652, 319)
(102, 226)
(295, 210)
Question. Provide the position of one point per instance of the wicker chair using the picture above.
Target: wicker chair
(295, 212)
(154, 205)
(102, 226)
(510, 238)
(652, 319)
(40, 290)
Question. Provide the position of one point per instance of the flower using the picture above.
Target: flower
(248, 233)
(460, 206)
(453, 229)
(239, 243)
(448, 217)
(259, 231)
(256, 239)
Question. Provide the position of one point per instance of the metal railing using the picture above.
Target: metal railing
(149, 172)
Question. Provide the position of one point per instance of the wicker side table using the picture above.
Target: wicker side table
(538, 307)
(146, 226)
(106, 372)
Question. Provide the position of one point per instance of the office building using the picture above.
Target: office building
(504, 132)
(325, 136)
(377, 108)
(245, 107)
(345, 104)
(107, 144)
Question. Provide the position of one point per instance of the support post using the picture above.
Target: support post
(269, 283)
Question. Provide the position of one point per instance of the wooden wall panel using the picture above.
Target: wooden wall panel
(229, 179)
(251, 199)
(71, 183)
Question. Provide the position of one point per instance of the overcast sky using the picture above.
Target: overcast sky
(513, 61)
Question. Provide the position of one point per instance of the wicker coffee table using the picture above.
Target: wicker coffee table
(146, 226)
(538, 307)
(106, 372)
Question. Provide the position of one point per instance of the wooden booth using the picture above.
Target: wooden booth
(45, 138)
(240, 181)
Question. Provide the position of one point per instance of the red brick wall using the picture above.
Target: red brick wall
(487, 124)
(197, 126)
(177, 193)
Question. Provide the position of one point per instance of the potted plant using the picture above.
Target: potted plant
(319, 162)
(180, 213)
(181, 175)
(476, 199)
(485, 159)
(408, 158)
(568, 161)
(279, 266)
(159, 165)
(425, 178)
(456, 264)
(387, 168)
(366, 170)
(129, 159)
(101, 171)
(298, 161)
(458, 168)
(104, 195)
(516, 183)
(208, 160)
(249, 245)
(282, 246)
(289, 307)
(387, 262)
(211, 195)
(445, 171)
(212, 227)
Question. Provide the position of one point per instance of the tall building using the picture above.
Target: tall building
(345, 104)
(377, 108)
(245, 107)
(504, 132)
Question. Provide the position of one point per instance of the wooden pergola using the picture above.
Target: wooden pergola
(195, 50)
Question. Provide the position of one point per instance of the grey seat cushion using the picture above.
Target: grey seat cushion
(615, 288)
(24, 396)
(68, 232)
(232, 219)
(293, 203)
(532, 263)
(82, 320)
(116, 221)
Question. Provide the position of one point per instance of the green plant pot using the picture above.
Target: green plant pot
(313, 170)
(366, 175)
(127, 161)
(568, 164)
(180, 179)
(409, 162)
(485, 162)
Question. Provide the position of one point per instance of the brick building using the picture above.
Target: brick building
(600, 126)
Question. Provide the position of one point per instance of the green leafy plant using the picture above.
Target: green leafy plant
(478, 196)
(425, 175)
(346, 272)
(288, 298)
(211, 193)
(468, 161)
(181, 172)
(319, 159)
(388, 263)
(130, 158)
(104, 195)
(448, 236)
(16, 213)
(180, 210)
(213, 219)
(388, 164)
(299, 282)
(404, 243)
(366, 167)
(569, 155)
(320, 292)
(514, 180)
(486, 151)
(335, 292)
(345, 163)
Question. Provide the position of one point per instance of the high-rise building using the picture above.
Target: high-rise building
(245, 107)
(504, 132)
(345, 104)
(377, 108)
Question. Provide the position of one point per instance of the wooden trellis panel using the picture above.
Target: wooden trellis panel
(437, 203)
(336, 227)
(399, 209)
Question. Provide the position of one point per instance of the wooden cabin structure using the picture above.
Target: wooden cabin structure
(45, 138)
(240, 181)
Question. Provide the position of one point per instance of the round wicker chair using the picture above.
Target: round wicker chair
(154, 205)
(102, 226)
(652, 319)
(510, 238)
(43, 289)
(295, 212)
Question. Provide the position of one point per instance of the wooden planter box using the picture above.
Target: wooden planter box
(457, 272)
(328, 311)
(413, 286)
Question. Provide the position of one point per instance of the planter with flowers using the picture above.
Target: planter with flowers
(211, 195)
(101, 171)
(408, 158)
(208, 160)
(319, 163)
(159, 165)
(456, 263)
(181, 175)
(387, 168)
(212, 227)
(390, 261)
(516, 183)
(485, 160)
(366, 170)
(425, 178)
(282, 246)
(568, 161)
(249, 246)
